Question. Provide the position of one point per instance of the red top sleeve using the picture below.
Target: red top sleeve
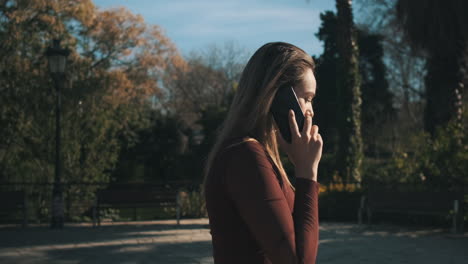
(256, 192)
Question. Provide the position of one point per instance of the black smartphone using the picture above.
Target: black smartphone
(286, 99)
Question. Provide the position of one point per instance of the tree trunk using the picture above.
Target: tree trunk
(350, 153)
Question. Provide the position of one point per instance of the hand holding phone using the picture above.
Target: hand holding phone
(286, 99)
(306, 150)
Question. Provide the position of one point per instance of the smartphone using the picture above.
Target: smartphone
(286, 99)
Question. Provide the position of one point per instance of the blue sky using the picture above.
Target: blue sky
(194, 25)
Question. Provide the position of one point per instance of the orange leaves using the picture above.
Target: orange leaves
(116, 63)
(118, 27)
(119, 88)
(120, 31)
(135, 55)
(83, 10)
(114, 54)
(50, 10)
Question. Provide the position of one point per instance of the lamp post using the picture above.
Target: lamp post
(57, 62)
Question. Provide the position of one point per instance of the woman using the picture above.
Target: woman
(256, 215)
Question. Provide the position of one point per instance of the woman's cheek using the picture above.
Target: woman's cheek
(303, 105)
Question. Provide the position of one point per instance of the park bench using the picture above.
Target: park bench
(414, 203)
(153, 198)
(13, 202)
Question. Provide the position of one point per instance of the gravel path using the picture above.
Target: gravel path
(164, 242)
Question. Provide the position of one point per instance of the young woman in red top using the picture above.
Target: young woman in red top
(255, 214)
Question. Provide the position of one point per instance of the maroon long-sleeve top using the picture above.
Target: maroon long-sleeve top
(255, 216)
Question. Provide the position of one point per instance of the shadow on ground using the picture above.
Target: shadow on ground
(151, 242)
(37, 236)
(167, 243)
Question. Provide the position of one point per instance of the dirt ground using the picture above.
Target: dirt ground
(164, 242)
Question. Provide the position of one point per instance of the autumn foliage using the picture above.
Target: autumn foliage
(115, 67)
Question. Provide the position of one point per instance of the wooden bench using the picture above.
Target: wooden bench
(12, 202)
(135, 199)
(414, 203)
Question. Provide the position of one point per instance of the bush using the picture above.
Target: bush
(339, 202)
(439, 162)
(192, 204)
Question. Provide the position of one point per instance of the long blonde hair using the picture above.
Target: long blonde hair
(273, 65)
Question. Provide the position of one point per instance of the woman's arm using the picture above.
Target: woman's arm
(305, 217)
(252, 185)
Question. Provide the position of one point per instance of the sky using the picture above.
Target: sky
(195, 25)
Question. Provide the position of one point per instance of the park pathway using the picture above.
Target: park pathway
(164, 242)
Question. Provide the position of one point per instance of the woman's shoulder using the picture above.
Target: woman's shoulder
(245, 150)
(241, 144)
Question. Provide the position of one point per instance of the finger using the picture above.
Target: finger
(293, 125)
(308, 123)
(319, 139)
(314, 131)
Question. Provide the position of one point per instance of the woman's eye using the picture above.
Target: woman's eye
(309, 100)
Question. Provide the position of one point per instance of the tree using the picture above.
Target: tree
(405, 70)
(157, 153)
(349, 94)
(208, 79)
(200, 96)
(116, 64)
(184, 120)
(377, 100)
(327, 102)
(440, 30)
(436, 159)
(377, 103)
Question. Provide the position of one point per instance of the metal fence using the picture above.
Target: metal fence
(31, 201)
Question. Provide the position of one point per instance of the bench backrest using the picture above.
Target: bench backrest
(427, 201)
(12, 199)
(134, 196)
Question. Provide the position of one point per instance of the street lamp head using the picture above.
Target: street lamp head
(57, 57)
